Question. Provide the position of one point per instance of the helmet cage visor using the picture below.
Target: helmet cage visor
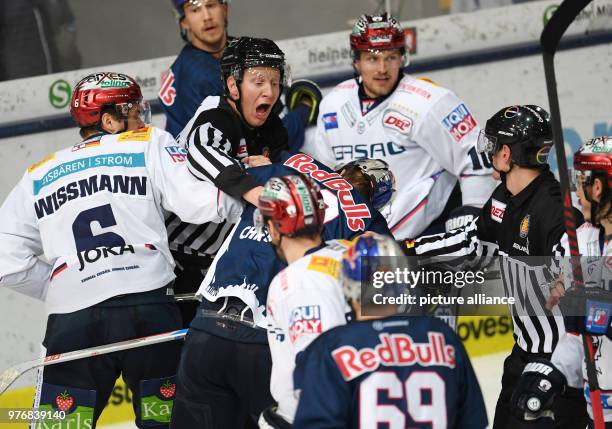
(135, 109)
(487, 143)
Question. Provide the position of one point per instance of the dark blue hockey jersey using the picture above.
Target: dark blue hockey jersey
(396, 372)
(247, 262)
(195, 75)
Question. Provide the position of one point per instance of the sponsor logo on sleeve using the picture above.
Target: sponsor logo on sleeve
(397, 122)
(140, 135)
(177, 154)
(497, 210)
(330, 120)
(305, 319)
(598, 317)
(167, 93)
(459, 122)
(324, 265)
(41, 162)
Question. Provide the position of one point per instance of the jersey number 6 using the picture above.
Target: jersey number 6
(83, 234)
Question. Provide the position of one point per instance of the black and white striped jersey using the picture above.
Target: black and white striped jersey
(522, 231)
(195, 240)
(216, 138)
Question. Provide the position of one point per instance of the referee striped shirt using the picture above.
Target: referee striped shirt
(520, 232)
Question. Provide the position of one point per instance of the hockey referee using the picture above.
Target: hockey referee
(521, 222)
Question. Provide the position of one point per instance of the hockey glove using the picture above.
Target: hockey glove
(305, 92)
(270, 420)
(461, 217)
(533, 396)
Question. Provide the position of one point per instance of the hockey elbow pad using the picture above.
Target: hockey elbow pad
(305, 92)
(533, 396)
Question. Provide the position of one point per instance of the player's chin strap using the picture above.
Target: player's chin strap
(503, 174)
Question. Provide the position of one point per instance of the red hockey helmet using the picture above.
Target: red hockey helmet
(595, 155)
(99, 90)
(594, 160)
(293, 203)
(377, 32)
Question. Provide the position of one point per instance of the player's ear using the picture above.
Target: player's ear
(184, 25)
(597, 189)
(274, 233)
(109, 124)
(232, 86)
(357, 66)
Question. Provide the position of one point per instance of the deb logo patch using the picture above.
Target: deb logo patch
(459, 122)
(397, 122)
(177, 153)
(598, 317)
(497, 210)
(330, 120)
(305, 319)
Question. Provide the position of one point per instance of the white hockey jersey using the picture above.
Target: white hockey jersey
(304, 300)
(94, 211)
(568, 356)
(426, 134)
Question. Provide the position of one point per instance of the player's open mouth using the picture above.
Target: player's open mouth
(262, 110)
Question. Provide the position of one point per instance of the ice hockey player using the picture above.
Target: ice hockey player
(424, 131)
(231, 322)
(566, 369)
(196, 74)
(306, 298)
(386, 369)
(521, 222)
(94, 211)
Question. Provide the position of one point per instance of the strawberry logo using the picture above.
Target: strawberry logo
(168, 389)
(64, 401)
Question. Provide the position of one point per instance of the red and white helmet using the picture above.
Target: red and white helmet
(594, 159)
(100, 90)
(595, 155)
(377, 32)
(293, 203)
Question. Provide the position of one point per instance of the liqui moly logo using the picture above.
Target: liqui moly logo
(304, 320)
(394, 350)
(355, 213)
(459, 122)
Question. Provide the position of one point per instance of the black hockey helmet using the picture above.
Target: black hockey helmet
(525, 129)
(247, 52)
